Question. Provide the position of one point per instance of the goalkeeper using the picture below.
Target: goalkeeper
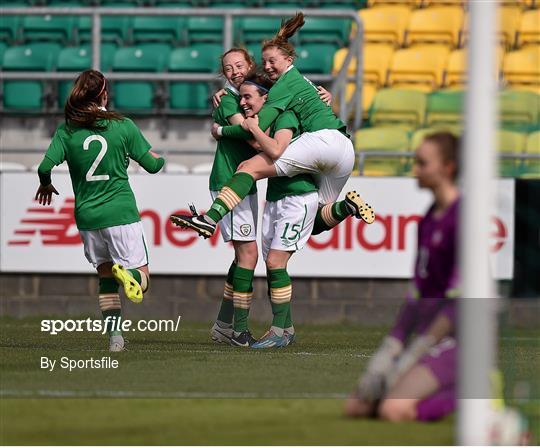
(412, 376)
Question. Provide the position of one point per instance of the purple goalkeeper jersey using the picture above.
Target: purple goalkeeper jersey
(435, 274)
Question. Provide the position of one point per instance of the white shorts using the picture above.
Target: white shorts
(123, 244)
(241, 223)
(288, 223)
(327, 154)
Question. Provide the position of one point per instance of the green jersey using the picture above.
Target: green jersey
(98, 162)
(229, 152)
(280, 187)
(292, 91)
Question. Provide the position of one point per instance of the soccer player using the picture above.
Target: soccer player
(240, 226)
(289, 214)
(412, 376)
(97, 145)
(323, 150)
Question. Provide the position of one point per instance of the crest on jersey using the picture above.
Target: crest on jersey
(245, 229)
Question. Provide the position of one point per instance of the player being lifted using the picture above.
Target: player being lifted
(323, 150)
(412, 376)
(97, 145)
(289, 214)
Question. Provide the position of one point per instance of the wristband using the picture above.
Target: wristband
(220, 131)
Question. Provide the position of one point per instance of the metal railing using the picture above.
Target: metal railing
(339, 82)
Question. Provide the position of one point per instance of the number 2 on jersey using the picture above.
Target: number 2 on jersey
(90, 174)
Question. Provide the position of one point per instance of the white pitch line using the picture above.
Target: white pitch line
(150, 394)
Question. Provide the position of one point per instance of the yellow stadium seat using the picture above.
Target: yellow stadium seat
(440, 24)
(385, 24)
(419, 135)
(531, 167)
(405, 109)
(519, 110)
(456, 69)
(510, 142)
(428, 3)
(382, 139)
(376, 58)
(408, 3)
(420, 67)
(509, 19)
(529, 29)
(521, 68)
(368, 92)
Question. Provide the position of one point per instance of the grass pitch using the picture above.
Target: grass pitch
(180, 388)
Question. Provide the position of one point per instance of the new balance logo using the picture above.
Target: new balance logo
(52, 226)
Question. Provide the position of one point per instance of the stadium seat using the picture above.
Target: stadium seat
(402, 108)
(529, 28)
(408, 3)
(257, 29)
(196, 58)
(420, 134)
(205, 29)
(48, 28)
(3, 48)
(173, 3)
(382, 139)
(456, 69)
(376, 59)
(445, 108)
(429, 3)
(440, 24)
(325, 30)
(113, 28)
(521, 68)
(138, 95)
(315, 58)
(420, 67)
(519, 110)
(10, 25)
(254, 51)
(368, 93)
(28, 95)
(385, 24)
(168, 29)
(510, 142)
(189, 97)
(531, 168)
(71, 59)
(509, 20)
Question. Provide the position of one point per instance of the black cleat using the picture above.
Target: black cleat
(361, 209)
(244, 339)
(194, 222)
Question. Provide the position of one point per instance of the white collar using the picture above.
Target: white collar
(102, 108)
(233, 89)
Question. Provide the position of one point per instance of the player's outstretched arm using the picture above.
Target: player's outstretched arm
(267, 115)
(46, 188)
(152, 162)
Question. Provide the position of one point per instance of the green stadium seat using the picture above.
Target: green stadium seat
(190, 97)
(27, 95)
(174, 4)
(325, 30)
(531, 168)
(257, 29)
(138, 95)
(71, 59)
(510, 142)
(48, 28)
(3, 48)
(402, 108)
(10, 25)
(113, 28)
(383, 139)
(196, 58)
(519, 110)
(169, 29)
(205, 29)
(254, 49)
(445, 108)
(315, 58)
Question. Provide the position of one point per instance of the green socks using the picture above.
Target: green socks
(242, 296)
(226, 312)
(230, 196)
(330, 215)
(141, 277)
(280, 296)
(109, 303)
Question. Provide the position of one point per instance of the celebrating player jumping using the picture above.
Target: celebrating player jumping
(97, 145)
(323, 149)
